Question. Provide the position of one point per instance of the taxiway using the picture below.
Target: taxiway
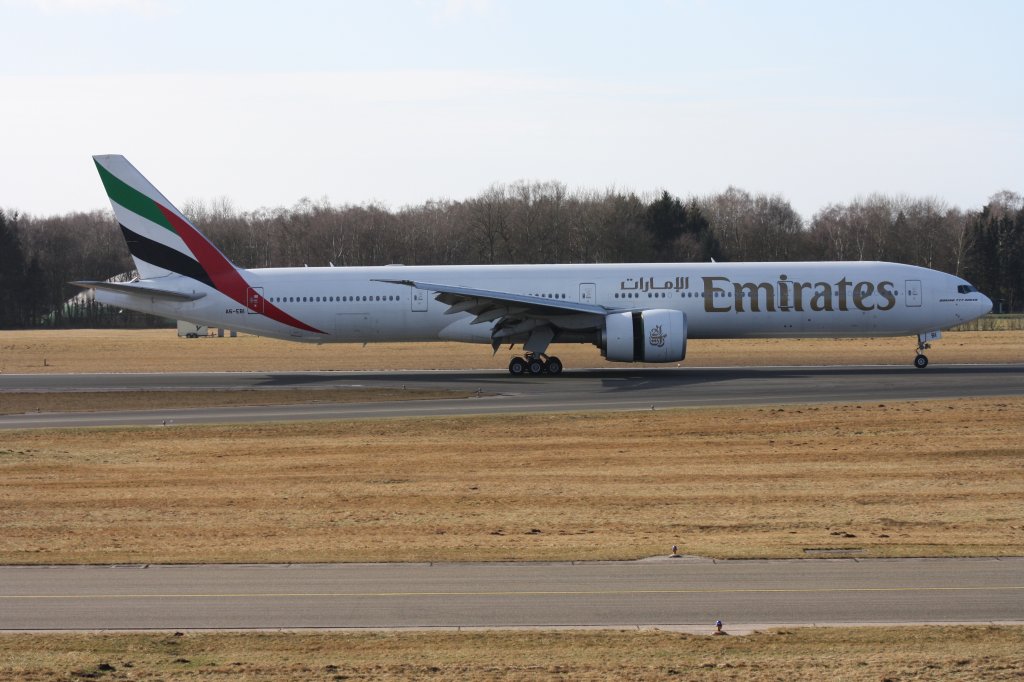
(683, 594)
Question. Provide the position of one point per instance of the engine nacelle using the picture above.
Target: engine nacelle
(645, 336)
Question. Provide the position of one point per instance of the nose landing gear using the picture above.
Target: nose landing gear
(921, 360)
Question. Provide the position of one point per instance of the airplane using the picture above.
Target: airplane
(633, 312)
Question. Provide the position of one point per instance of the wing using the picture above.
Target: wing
(530, 320)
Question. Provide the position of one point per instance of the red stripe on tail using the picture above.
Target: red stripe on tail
(225, 276)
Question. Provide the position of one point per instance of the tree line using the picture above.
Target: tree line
(521, 222)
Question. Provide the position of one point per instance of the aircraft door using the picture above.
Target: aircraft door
(790, 301)
(588, 293)
(419, 300)
(783, 297)
(254, 300)
(913, 293)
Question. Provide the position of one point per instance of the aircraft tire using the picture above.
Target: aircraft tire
(921, 361)
(517, 367)
(554, 366)
(535, 366)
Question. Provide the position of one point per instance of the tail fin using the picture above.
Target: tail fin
(161, 240)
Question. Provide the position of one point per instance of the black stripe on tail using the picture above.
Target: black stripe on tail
(165, 257)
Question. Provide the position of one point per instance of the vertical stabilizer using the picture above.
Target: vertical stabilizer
(161, 240)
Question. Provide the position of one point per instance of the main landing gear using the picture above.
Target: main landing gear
(535, 364)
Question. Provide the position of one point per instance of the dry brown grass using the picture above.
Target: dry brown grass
(95, 401)
(927, 653)
(161, 350)
(930, 478)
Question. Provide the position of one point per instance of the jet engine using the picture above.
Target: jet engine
(644, 336)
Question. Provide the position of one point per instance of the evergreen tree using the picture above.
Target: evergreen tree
(665, 221)
(12, 273)
(996, 263)
(699, 226)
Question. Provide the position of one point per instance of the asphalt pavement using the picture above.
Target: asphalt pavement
(499, 393)
(686, 594)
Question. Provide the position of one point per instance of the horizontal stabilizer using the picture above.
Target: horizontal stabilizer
(140, 290)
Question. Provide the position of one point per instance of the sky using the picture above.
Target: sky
(400, 102)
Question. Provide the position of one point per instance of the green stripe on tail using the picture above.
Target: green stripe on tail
(132, 199)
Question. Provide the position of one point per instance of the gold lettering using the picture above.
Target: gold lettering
(861, 291)
(798, 294)
(752, 291)
(785, 295)
(709, 294)
(885, 290)
(842, 285)
(822, 299)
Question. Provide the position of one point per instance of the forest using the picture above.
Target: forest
(521, 222)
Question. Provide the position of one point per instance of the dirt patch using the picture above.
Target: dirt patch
(928, 478)
(963, 653)
(160, 350)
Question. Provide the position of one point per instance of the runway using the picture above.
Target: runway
(499, 393)
(684, 594)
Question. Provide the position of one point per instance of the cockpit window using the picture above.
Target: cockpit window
(965, 289)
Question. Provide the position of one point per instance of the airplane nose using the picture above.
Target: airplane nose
(985, 303)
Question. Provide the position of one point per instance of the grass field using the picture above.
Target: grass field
(931, 478)
(160, 350)
(882, 479)
(927, 653)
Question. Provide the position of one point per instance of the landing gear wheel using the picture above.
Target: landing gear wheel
(554, 365)
(921, 361)
(535, 366)
(517, 367)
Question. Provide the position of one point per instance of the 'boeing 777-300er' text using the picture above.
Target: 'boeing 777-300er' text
(633, 312)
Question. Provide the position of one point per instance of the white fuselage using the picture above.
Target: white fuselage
(720, 300)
